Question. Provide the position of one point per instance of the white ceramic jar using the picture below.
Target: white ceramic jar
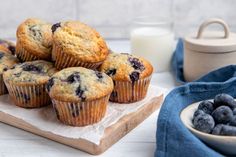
(208, 50)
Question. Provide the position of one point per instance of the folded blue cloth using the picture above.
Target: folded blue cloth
(177, 62)
(173, 138)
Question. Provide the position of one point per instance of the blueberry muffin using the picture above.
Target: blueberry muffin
(76, 44)
(26, 83)
(79, 95)
(131, 76)
(6, 61)
(34, 40)
(7, 46)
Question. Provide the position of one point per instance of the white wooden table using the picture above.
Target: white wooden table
(138, 143)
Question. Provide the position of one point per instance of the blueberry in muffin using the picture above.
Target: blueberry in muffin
(131, 76)
(7, 46)
(79, 95)
(34, 40)
(55, 26)
(76, 44)
(26, 83)
(7, 61)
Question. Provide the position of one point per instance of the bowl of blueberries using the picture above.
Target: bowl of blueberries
(213, 122)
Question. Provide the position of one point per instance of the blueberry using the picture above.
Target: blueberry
(36, 32)
(37, 91)
(234, 111)
(206, 106)
(12, 49)
(217, 129)
(75, 109)
(198, 112)
(80, 93)
(49, 84)
(134, 76)
(228, 130)
(5, 69)
(98, 74)
(1, 55)
(111, 72)
(17, 74)
(204, 123)
(25, 97)
(75, 77)
(31, 67)
(113, 94)
(233, 121)
(222, 114)
(224, 100)
(136, 64)
(55, 26)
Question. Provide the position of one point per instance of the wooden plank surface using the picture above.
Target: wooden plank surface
(112, 134)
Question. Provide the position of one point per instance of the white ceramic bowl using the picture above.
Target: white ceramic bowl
(224, 144)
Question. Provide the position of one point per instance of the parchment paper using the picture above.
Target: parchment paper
(45, 118)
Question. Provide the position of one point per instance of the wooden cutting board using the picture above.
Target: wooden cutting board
(112, 134)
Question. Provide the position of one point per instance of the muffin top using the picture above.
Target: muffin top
(79, 41)
(79, 84)
(7, 61)
(7, 46)
(35, 72)
(126, 67)
(35, 36)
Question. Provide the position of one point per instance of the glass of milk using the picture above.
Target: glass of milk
(153, 38)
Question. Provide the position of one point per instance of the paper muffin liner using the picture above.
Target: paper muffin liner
(81, 113)
(3, 89)
(23, 54)
(64, 60)
(128, 92)
(28, 96)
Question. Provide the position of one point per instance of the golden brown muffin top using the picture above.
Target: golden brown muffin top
(35, 72)
(79, 84)
(80, 41)
(126, 67)
(7, 61)
(35, 36)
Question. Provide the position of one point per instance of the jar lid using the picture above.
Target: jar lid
(212, 41)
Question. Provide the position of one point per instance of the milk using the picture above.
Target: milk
(155, 45)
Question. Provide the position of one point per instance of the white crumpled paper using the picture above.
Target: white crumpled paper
(45, 118)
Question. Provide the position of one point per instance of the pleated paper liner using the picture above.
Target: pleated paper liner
(28, 96)
(23, 54)
(64, 60)
(3, 89)
(128, 92)
(81, 113)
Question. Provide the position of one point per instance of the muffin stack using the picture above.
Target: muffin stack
(69, 64)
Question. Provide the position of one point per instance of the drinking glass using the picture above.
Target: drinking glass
(152, 37)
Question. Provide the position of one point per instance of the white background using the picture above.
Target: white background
(112, 17)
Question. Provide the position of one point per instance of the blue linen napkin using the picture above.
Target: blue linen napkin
(173, 138)
(177, 62)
